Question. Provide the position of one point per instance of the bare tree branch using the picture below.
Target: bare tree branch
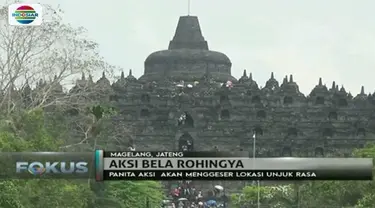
(38, 63)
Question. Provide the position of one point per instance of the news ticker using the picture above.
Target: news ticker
(225, 166)
(103, 165)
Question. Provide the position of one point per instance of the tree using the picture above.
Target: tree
(37, 113)
(30, 135)
(37, 67)
(366, 201)
(46, 58)
(343, 193)
(136, 193)
(314, 194)
(270, 196)
(27, 132)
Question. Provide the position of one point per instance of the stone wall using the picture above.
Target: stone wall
(286, 121)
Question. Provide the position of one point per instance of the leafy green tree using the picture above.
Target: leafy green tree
(24, 126)
(136, 193)
(366, 201)
(27, 133)
(248, 196)
(314, 194)
(342, 193)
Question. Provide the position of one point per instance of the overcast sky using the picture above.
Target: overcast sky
(332, 39)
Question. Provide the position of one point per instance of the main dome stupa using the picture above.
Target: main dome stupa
(188, 57)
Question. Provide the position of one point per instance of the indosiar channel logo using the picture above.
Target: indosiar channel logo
(25, 14)
(39, 168)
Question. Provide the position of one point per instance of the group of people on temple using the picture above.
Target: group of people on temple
(185, 195)
(188, 146)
